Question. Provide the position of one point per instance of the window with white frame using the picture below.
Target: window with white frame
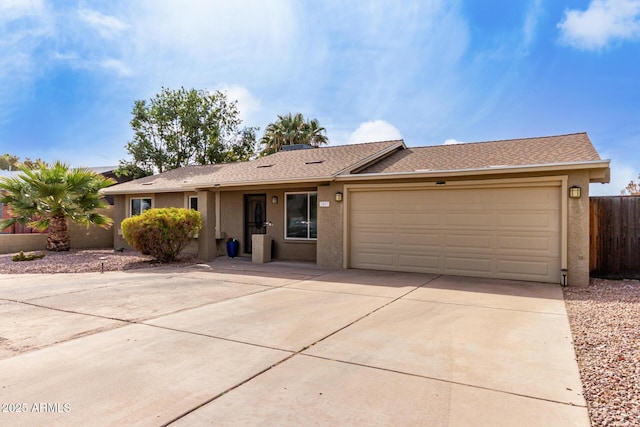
(301, 215)
(193, 202)
(139, 205)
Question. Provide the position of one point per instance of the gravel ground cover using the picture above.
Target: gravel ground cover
(84, 261)
(605, 324)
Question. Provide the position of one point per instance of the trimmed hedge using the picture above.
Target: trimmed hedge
(162, 233)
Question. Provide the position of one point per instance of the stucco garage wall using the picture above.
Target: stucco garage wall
(577, 222)
(578, 231)
(330, 227)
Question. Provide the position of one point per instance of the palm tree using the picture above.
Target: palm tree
(315, 133)
(46, 198)
(292, 129)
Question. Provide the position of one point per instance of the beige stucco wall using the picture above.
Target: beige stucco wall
(285, 249)
(330, 227)
(578, 231)
(93, 237)
(14, 243)
(83, 237)
(232, 224)
(230, 220)
(169, 200)
(328, 250)
(121, 211)
(206, 243)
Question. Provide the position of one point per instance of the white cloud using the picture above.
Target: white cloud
(452, 142)
(115, 65)
(107, 26)
(247, 103)
(76, 61)
(201, 38)
(531, 23)
(373, 131)
(13, 9)
(604, 22)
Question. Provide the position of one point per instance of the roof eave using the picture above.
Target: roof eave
(215, 185)
(107, 192)
(600, 172)
(595, 165)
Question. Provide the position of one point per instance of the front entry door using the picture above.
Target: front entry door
(255, 215)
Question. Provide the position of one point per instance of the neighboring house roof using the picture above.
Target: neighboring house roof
(102, 169)
(574, 148)
(96, 169)
(378, 159)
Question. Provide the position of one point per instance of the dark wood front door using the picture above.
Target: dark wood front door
(255, 216)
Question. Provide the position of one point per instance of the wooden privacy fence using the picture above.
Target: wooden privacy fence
(615, 237)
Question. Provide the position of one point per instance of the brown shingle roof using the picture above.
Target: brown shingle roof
(321, 164)
(297, 165)
(294, 165)
(573, 148)
(167, 181)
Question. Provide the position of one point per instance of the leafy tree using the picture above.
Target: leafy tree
(33, 164)
(11, 162)
(47, 198)
(162, 233)
(185, 127)
(292, 129)
(632, 189)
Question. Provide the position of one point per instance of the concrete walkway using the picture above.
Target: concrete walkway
(235, 343)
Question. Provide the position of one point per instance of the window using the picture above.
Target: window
(301, 215)
(193, 203)
(139, 205)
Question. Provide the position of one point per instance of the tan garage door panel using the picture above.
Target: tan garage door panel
(493, 232)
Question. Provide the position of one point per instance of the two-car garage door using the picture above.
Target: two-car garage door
(510, 233)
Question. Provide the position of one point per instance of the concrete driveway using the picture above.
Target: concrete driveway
(235, 343)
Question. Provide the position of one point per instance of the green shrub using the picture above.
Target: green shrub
(162, 233)
(22, 257)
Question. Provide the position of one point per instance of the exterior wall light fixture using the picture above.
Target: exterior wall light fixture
(574, 192)
(274, 200)
(338, 196)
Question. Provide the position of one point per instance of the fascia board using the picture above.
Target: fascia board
(478, 171)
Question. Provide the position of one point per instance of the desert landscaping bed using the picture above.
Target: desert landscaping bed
(84, 261)
(605, 324)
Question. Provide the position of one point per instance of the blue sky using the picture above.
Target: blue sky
(427, 71)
